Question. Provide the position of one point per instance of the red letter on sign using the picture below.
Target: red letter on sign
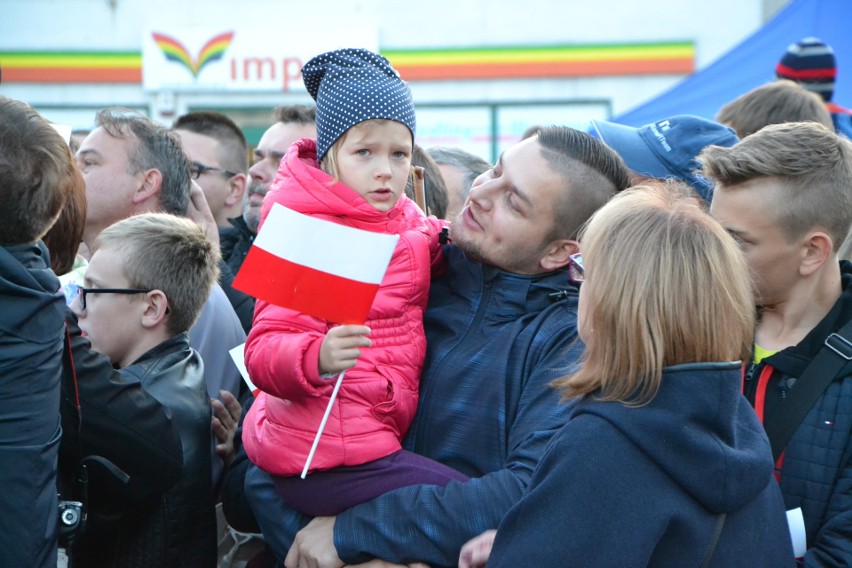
(292, 70)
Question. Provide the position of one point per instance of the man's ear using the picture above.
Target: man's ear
(152, 181)
(156, 309)
(818, 248)
(237, 185)
(557, 253)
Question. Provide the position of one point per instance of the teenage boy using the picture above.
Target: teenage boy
(136, 310)
(785, 193)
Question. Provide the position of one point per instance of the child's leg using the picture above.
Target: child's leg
(329, 492)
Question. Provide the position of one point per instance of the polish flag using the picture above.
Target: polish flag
(316, 267)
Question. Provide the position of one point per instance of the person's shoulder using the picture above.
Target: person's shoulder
(558, 309)
(586, 429)
(218, 316)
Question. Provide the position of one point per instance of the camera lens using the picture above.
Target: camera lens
(70, 517)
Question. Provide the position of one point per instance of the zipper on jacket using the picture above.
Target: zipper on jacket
(481, 309)
(750, 371)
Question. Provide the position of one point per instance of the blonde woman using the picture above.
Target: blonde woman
(662, 462)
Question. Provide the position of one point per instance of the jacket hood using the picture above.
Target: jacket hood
(321, 194)
(29, 290)
(701, 432)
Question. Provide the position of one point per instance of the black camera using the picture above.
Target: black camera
(72, 522)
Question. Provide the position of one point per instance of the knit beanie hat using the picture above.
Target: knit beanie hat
(353, 85)
(811, 63)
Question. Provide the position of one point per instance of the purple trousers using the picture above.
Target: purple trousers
(325, 493)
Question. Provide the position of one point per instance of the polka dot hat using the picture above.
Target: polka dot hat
(353, 85)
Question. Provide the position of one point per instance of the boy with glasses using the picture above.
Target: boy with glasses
(136, 308)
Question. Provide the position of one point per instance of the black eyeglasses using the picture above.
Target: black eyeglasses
(196, 169)
(576, 270)
(75, 291)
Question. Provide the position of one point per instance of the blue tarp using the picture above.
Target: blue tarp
(752, 63)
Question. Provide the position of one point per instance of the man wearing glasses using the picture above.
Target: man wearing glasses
(218, 156)
(217, 149)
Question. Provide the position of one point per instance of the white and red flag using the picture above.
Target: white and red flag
(316, 267)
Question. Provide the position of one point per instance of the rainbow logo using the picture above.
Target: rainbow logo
(211, 51)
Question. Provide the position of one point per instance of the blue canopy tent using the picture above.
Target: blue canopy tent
(752, 63)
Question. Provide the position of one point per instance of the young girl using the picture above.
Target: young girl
(662, 461)
(354, 174)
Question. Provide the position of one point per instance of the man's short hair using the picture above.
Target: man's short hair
(299, 114)
(470, 164)
(168, 253)
(37, 173)
(773, 103)
(234, 153)
(592, 171)
(812, 164)
(154, 147)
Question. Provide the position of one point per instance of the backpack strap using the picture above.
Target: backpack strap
(834, 355)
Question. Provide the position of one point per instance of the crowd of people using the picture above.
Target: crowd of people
(616, 346)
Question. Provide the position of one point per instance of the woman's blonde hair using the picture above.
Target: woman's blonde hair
(665, 284)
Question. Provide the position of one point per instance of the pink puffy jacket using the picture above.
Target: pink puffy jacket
(378, 397)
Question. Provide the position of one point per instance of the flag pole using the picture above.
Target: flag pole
(322, 424)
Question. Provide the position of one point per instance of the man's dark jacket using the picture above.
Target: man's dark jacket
(235, 242)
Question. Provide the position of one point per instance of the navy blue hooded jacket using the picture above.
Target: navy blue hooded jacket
(32, 327)
(643, 486)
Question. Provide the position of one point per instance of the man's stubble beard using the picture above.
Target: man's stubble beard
(251, 215)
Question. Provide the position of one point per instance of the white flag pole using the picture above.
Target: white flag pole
(322, 424)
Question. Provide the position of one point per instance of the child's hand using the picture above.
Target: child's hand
(340, 347)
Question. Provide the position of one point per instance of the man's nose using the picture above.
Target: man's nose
(258, 172)
(483, 193)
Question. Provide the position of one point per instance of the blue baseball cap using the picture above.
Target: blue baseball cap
(667, 148)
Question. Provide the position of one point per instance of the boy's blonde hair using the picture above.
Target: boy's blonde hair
(167, 253)
(812, 164)
(665, 284)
